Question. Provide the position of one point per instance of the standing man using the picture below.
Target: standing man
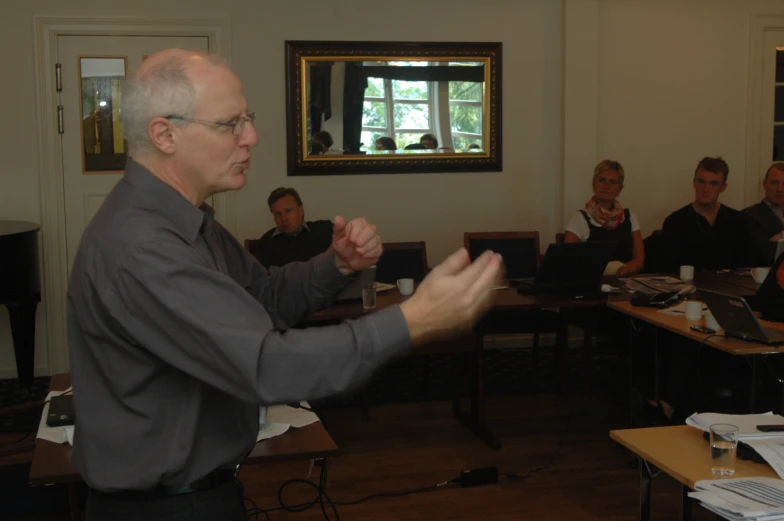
(177, 334)
(705, 233)
(292, 238)
(766, 217)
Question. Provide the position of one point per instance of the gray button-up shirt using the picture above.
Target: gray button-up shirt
(177, 335)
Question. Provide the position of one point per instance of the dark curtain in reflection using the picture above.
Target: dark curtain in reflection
(320, 92)
(353, 98)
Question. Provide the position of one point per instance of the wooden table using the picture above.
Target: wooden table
(681, 452)
(730, 283)
(52, 461)
(503, 299)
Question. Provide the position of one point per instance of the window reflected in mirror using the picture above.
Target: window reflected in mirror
(103, 142)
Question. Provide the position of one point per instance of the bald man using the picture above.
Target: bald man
(177, 334)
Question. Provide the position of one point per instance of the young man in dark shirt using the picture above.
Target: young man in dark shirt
(705, 233)
(292, 239)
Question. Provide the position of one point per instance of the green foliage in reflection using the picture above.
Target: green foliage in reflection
(374, 114)
(466, 118)
(465, 91)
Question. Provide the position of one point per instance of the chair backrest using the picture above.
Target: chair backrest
(402, 260)
(250, 244)
(520, 250)
(560, 238)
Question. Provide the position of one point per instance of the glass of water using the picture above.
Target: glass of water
(369, 297)
(724, 448)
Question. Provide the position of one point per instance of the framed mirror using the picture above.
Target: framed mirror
(393, 107)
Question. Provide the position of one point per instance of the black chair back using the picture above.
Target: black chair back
(402, 260)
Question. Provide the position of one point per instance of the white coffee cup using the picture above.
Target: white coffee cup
(687, 273)
(406, 286)
(710, 321)
(760, 274)
(693, 310)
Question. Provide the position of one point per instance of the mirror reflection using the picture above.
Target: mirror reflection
(102, 133)
(395, 107)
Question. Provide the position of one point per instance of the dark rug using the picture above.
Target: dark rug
(12, 393)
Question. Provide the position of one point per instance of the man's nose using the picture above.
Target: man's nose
(248, 137)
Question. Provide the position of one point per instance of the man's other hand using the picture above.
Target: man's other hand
(453, 297)
(357, 246)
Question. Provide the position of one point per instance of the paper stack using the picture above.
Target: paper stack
(747, 499)
(769, 445)
(746, 423)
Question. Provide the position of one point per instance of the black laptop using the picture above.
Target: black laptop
(738, 320)
(573, 269)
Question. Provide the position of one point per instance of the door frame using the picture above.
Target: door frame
(761, 23)
(50, 163)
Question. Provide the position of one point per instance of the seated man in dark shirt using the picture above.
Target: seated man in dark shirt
(292, 239)
(766, 217)
(705, 233)
(709, 236)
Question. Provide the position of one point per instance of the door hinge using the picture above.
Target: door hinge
(60, 119)
(58, 77)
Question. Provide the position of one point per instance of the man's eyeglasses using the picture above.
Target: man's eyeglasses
(237, 125)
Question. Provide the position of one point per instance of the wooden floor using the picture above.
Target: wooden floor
(404, 447)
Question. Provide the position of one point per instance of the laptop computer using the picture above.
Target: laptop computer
(738, 320)
(354, 290)
(61, 411)
(573, 269)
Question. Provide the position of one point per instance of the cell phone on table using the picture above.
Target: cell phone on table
(703, 329)
(770, 428)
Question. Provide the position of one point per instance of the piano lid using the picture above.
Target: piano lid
(15, 227)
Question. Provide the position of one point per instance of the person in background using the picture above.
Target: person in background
(324, 138)
(705, 233)
(767, 217)
(292, 239)
(385, 143)
(428, 141)
(604, 219)
(177, 335)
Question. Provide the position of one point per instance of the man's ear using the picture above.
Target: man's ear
(161, 134)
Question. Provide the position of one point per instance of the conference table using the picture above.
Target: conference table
(729, 283)
(681, 452)
(508, 299)
(52, 461)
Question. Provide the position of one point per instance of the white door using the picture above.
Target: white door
(93, 69)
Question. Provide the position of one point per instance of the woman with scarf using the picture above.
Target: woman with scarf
(604, 219)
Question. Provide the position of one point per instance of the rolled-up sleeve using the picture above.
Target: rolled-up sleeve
(167, 301)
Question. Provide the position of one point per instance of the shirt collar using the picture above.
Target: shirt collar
(187, 217)
(772, 206)
(303, 227)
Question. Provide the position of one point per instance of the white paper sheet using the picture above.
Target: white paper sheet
(746, 423)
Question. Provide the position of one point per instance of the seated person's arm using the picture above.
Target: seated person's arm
(577, 229)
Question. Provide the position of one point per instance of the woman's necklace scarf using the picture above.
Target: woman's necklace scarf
(610, 219)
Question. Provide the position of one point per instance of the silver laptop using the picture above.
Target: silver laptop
(738, 320)
(354, 290)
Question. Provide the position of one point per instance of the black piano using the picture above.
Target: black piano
(20, 289)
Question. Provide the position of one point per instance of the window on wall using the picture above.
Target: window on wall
(778, 108)
(406, 110)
